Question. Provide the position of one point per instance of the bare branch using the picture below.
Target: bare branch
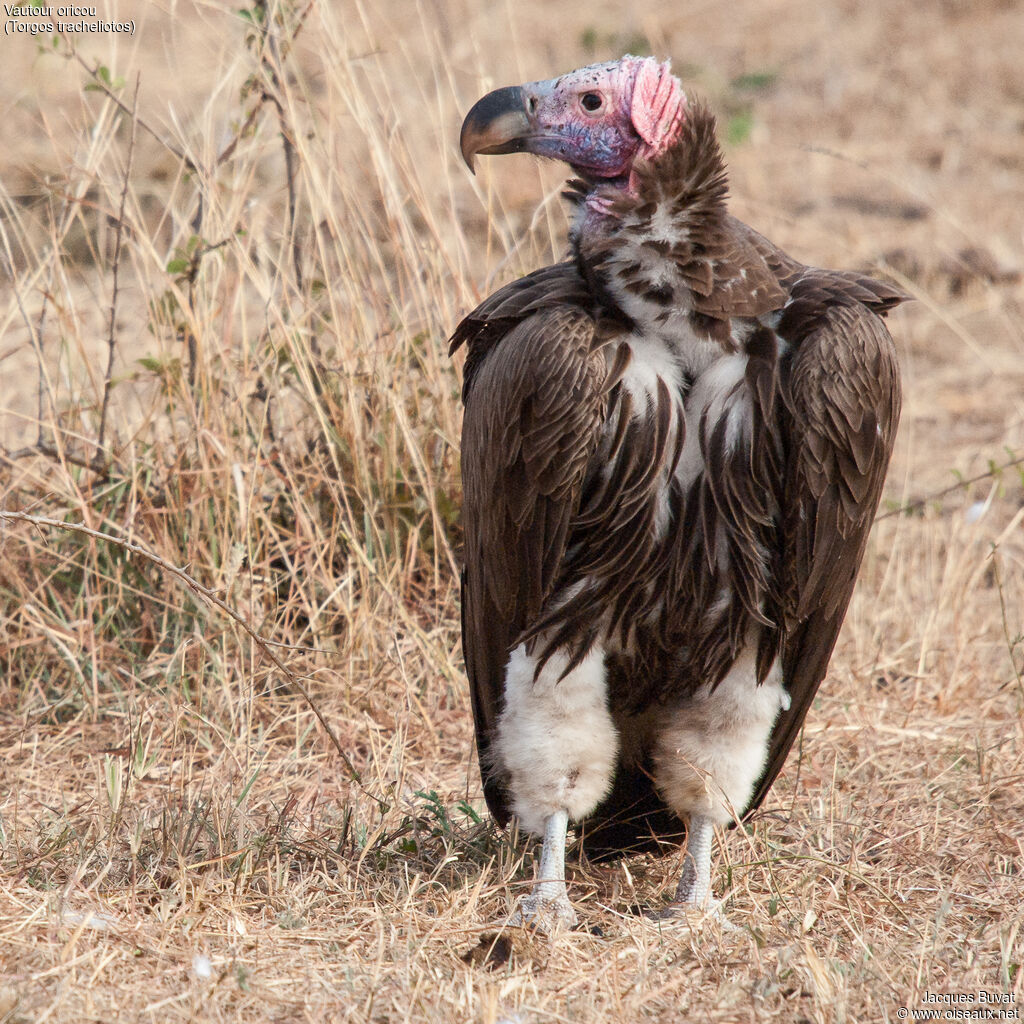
(102, 87)
(918, 503)
(274, 69)
(99, 463)
(228, 151)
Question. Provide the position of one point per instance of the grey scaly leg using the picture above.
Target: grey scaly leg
(695, 883)
(548, 904)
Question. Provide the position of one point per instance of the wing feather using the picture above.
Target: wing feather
(535, 412)
(842, 406)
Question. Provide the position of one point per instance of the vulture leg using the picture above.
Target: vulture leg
(556, 746)
(548, 904)
(709, 756)
(694, 889)
(695, 884)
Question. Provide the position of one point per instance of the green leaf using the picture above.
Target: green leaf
(588, 39)
(468, 811)
(177, 266)
(739, 127)
(755, 81)
(103, 74)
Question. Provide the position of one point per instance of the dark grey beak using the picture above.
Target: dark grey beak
(498, 123)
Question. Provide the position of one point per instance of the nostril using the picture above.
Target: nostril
(531, 104)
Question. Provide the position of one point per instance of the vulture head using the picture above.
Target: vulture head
(599, 119)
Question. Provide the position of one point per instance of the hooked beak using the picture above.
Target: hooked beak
(498, 123)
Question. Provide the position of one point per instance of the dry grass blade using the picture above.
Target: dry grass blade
(207, 595)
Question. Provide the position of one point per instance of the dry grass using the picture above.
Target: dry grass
(179, 839)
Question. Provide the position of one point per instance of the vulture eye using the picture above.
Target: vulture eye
(592, 102)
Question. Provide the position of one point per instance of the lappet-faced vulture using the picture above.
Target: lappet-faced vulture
(673, 448)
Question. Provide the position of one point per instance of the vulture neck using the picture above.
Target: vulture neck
(650, 248)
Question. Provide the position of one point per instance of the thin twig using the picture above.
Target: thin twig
(99, 463)
(111, 342)
(204, 592)
(262, 99)
(958, 486)
(227, 152)
(102, 87)
(276, 97)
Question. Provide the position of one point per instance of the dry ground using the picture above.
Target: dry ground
(179, 838)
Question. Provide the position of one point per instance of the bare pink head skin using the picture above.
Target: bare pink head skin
(599, 119)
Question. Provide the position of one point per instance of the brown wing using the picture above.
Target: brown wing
(536, 402)
(543, 290)
(842, 406)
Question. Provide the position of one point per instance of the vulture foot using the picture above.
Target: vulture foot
(547, 908)
(694, 913)
(545, 914)
(693, 894)
(694, 887)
